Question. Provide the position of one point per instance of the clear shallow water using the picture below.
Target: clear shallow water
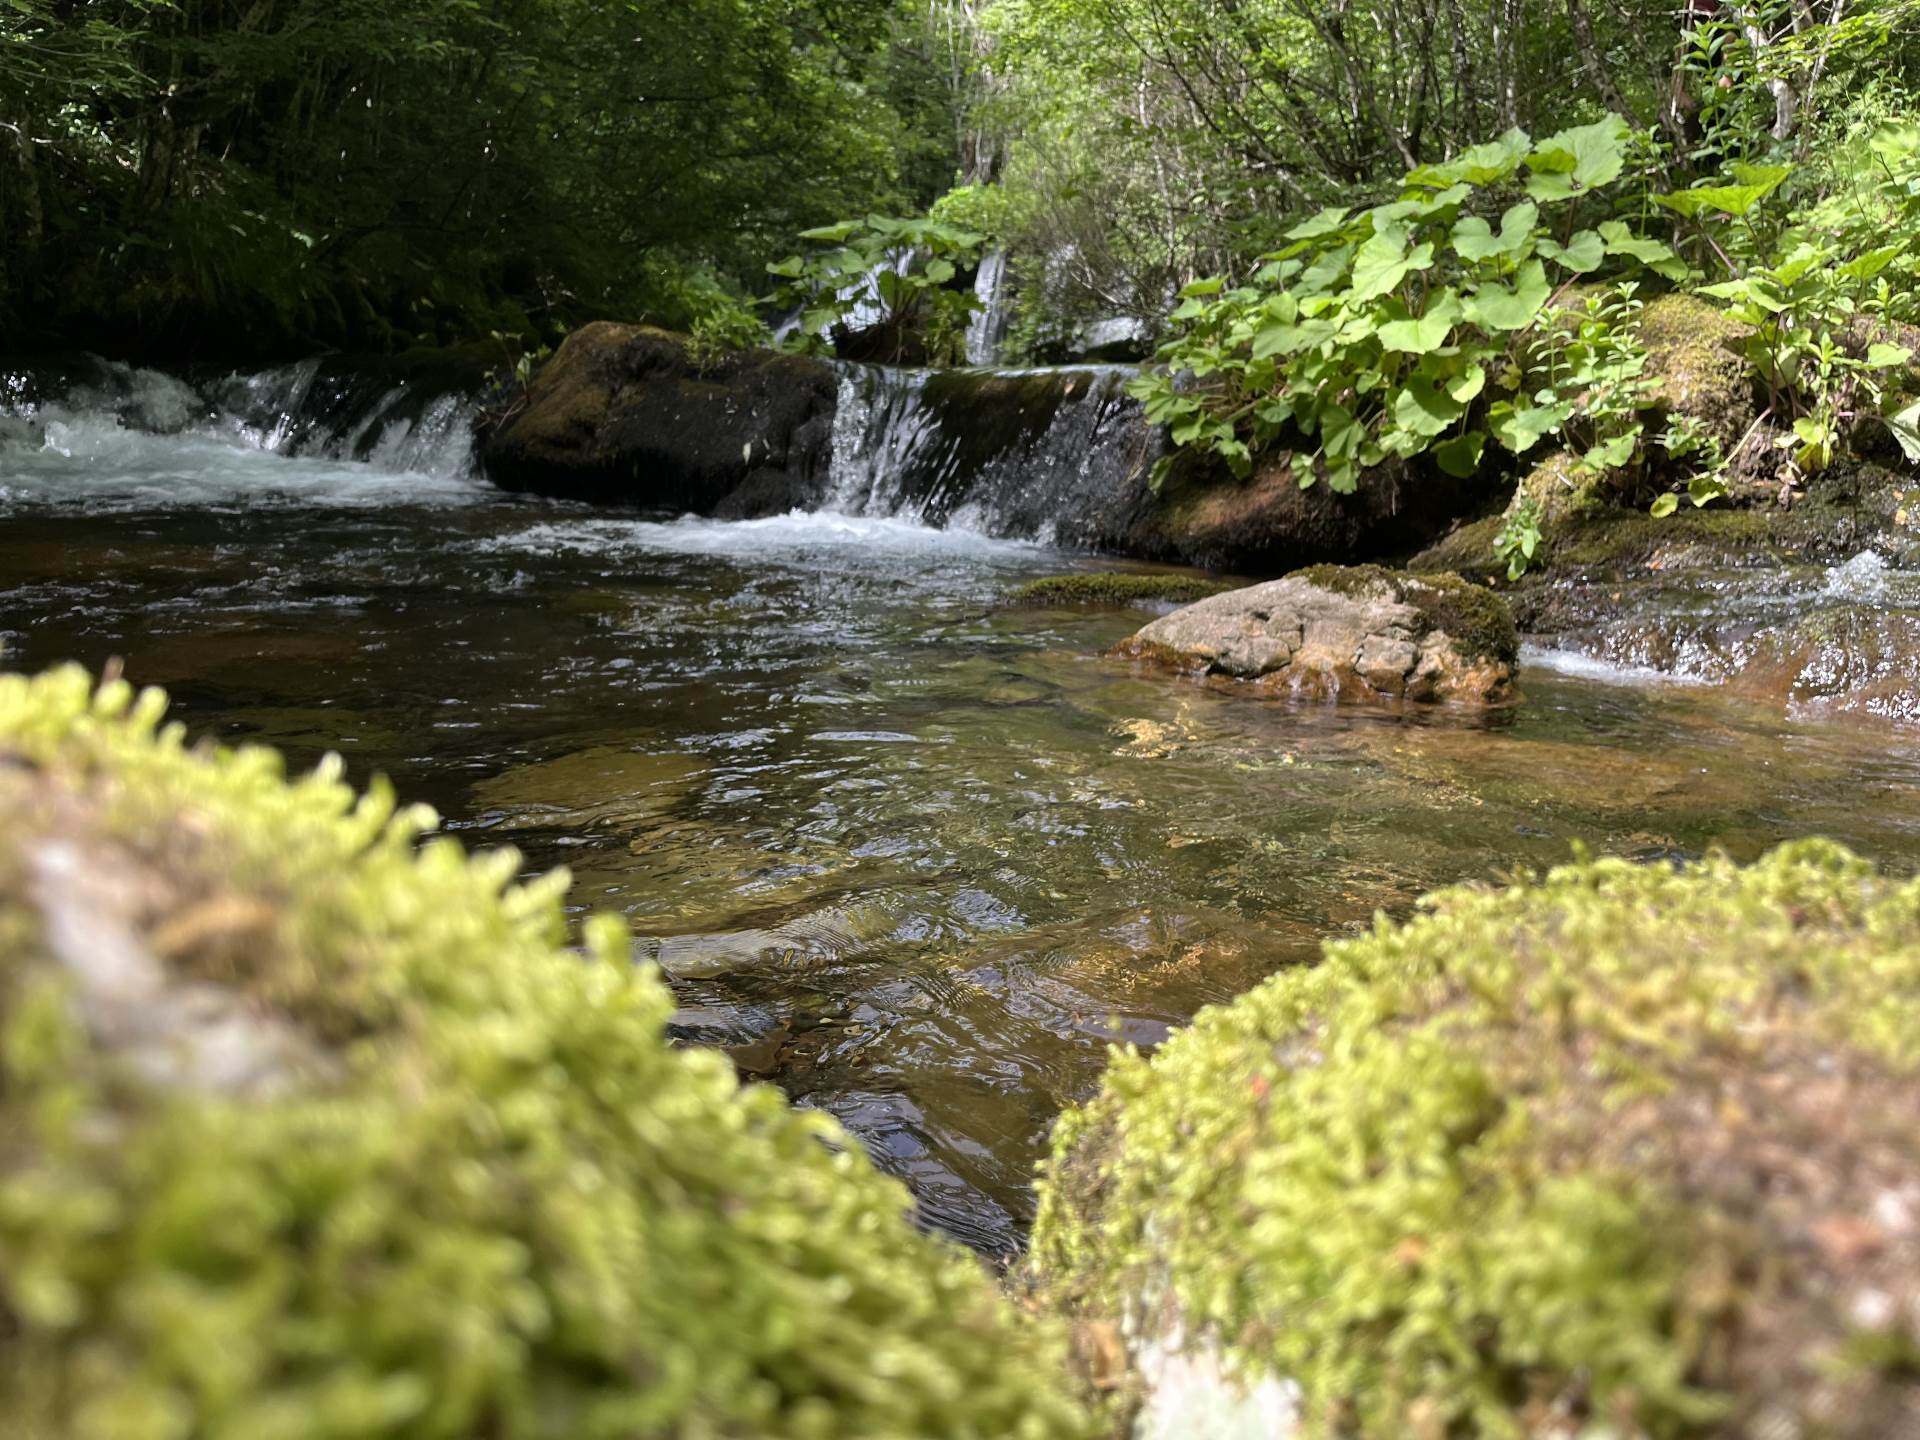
(910, 852)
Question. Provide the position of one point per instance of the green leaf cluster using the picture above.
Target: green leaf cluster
(1823, 296)
(896, 273)
(1402, 329)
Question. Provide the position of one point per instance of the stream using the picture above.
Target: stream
(912, 852)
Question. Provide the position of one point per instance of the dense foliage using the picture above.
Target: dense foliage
(296, 172)
(317, 1133)
(1587, 1155)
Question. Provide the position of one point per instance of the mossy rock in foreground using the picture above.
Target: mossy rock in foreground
(310, 1131)
(1628, 1151)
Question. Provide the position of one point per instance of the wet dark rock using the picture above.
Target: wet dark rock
(624, 414)
(1339, 633)
(1267, 522)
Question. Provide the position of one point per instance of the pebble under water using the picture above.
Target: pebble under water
(908, 850)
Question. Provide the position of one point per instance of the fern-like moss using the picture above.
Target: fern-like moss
(1627, 1146)
(309, 1130)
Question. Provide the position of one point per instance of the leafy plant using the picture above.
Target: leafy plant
(1519, 540)
(1815, 293)
(1596, 385)
(1400, 330)
(1685, 439)
(894, 277)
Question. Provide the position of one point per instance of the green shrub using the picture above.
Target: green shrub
(312, 1131)
(1626, 1151)
(1403, 329)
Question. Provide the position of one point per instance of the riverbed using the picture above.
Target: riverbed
(909, 849)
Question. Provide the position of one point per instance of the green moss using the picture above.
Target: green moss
(1117, 588)
(463, 1186)
(1614, 1146)
(1691, 356)
(1478, 621)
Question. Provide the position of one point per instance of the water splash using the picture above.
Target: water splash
(1863, 578)
(1057, 455)
(125, 437)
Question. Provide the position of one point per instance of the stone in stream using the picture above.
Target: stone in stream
(1345, 633)
(628, 413)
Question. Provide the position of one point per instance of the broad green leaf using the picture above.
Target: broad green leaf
(1664, 506)
(1326, 222)
(1325, 272)
(1495, 305)
(1582, 254)
(1578, 160)
(833, 234)
(1466, 386)
(1197, 289)
(1865, 267)
(1520, 428)
(1487, 164)
(1887, 357)
(1905, 425)
(1380, 264)
(1620, 240)
(1460, 456)
(1612, 454)
(1755, 183)
(939, 272)
(1423, 409)
(1417, 335)
(1474, 239)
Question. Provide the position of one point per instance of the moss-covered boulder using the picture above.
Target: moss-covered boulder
(627, 414)
(1694, 360)
(1623, 1151)
(308, 1130)
(1335, 632)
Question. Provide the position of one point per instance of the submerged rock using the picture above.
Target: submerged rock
(626, 413)
(1118, 587)
(1356, 633)
(313, 1131)
(1625, 1150)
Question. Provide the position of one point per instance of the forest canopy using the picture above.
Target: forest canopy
(279, 174)
(386, 172)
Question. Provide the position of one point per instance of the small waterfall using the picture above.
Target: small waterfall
(1057, 455)
(333, 409)
(988, 328)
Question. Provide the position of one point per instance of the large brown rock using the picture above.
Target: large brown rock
(626, 414)
(1346, 633)
(1268, 522)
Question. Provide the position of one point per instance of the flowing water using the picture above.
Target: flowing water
(911, 851)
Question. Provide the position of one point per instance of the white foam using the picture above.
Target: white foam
(91, 459)
(797, 533)
(1591, 667)
(1864, 577)
(142, 440)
